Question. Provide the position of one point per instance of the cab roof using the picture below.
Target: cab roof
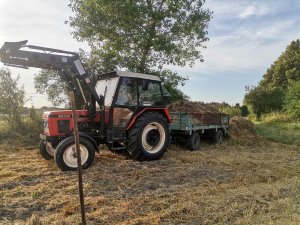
(128, 74)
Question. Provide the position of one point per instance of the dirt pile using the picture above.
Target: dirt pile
(192, 107)
(240, 127)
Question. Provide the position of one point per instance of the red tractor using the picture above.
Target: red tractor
(126, 110)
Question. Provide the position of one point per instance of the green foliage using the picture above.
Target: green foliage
(279, 79)
(278, 126)
(276, 117)
(244, 110)
(262, 100)
(28, 132)
(49, 82)
(170, 81)
(292, 100)
(231, 110)
(285, 69)
(280, 131)
(142, 36)
(33, 125)
(139, 35)
(236, 110)
(12, 100)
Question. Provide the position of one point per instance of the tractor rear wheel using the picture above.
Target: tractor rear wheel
(193, 142)
(149, 137)
(46, 151)
(65, 154)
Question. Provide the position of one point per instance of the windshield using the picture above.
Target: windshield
(107, 88)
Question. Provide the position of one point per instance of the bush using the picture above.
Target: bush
(231, 111)
(32, 125)
(275, 117)
(292, 101)
(28, 130)
(262, 100)
(12, 99)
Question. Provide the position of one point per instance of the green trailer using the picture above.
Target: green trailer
(192, 127)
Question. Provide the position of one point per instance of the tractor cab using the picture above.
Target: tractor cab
(127, 93)
(127, 96)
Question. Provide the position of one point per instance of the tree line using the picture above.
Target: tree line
(279, 89)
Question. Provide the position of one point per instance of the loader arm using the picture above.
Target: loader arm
(68, 64)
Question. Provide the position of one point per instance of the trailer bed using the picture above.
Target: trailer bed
(190, 122)
(191, 126)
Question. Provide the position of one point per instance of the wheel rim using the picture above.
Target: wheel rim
(153, 137)
(49, 149)
(70, 158)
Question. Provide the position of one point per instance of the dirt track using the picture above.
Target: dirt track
(235, 183)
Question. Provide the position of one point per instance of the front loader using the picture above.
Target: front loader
(126, 110)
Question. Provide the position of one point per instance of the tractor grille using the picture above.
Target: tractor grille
(63, 126)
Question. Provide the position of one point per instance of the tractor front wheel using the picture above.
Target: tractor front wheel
(149, 137)
(65, 154)
(46, 151)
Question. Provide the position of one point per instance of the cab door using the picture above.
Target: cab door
(125, 102)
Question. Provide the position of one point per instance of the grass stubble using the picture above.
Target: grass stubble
(251, 181)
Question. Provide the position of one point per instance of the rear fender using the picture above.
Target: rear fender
(163, 111)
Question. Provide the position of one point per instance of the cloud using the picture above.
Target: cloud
(245, 39)
(257, 9)
(239, 44)
(249, 11)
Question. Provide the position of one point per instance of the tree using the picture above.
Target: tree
(49, 82)
(270, 92)
(244, 110)
(292, 100)
(170, 81)
(263, 100)
(12, 99)
(143, 35)
(285, 69)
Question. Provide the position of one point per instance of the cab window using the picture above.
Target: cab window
(127, 94)
(150, 93)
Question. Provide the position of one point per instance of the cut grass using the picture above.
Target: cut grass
(251, 182)
(284, 132)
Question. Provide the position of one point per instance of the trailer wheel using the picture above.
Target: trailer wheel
(45, 151)
(193, 142)
(149, 137)
(217, 137)
(65, 154)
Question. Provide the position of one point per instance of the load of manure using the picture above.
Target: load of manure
(192, 107)
(240, 127)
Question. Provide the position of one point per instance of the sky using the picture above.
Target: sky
(245, 38)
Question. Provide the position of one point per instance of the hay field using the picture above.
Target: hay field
(247, 182)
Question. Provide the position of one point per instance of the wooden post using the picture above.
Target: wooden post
(78, 155)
